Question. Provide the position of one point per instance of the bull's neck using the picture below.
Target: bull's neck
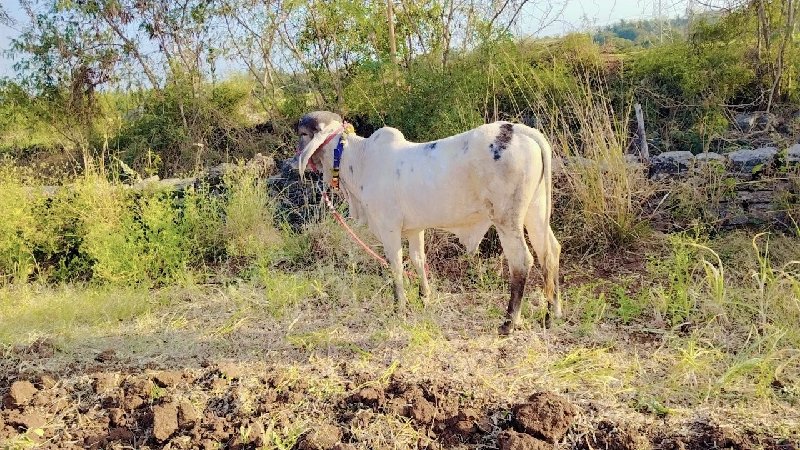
(350, 167)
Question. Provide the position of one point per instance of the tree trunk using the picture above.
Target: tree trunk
(392, 40)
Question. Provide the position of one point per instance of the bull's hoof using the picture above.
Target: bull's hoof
(505, 329)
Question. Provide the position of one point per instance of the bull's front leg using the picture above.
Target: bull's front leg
(392, 245)
(416, 251)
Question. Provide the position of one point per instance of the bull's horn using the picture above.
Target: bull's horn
(313, 146)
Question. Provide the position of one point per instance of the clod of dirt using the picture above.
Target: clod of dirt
(20, 394)
(120, 434)
(165, 421)
(546, 416)
(40, 348)
(324, 437)
(469, 421)
(511, 440)
(418, 407)
(168, 378)
(28, 420)
(104, 382)
(342, 446)
(116, 416)
(132, 402)
(219, 429)
(704, 435)
(47, 382)
(231, 371)
(187, 415)
(368, 396)
(610, 436)
(105, 356)
(140, 387)
(468, 426)
(397, 406)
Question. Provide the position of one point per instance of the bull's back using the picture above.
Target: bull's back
(457, 180)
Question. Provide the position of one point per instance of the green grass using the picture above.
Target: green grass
(31, 312)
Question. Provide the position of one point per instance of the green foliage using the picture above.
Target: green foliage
(18, 230)
(248, 230)
(672, 296)
(99, 230)
(182, 128)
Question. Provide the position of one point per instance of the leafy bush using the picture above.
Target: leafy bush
(18, 231)
(182, 128)
(99, 230)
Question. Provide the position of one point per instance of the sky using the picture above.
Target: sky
(576, 15)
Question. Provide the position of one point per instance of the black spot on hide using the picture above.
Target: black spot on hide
(502, 140)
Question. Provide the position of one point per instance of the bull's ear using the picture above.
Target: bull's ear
(313, 145)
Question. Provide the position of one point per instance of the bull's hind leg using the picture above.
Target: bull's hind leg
(548, 253)
(520, 261)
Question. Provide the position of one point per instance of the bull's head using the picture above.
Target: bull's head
(312, 130)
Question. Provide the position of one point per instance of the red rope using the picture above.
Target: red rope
(355, 237)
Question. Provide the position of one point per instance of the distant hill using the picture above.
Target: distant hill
(648, 32)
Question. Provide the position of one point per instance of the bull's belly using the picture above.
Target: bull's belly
(443, 218)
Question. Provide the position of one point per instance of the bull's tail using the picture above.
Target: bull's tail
(547, 163)
(551, 249)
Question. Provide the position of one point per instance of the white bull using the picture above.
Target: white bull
(496, 174)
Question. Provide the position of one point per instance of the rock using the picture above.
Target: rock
(793, 155)
(669, 163)
(165, 421)
(511, 440)
(324, 437)
(708, 157)
(263, 165)
(177, 184)
(747, 161)
(20, 394)
(745, 121)
(546, 416)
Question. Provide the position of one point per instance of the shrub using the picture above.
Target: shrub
(18, 231)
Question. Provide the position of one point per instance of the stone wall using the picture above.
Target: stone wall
(746, 187)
